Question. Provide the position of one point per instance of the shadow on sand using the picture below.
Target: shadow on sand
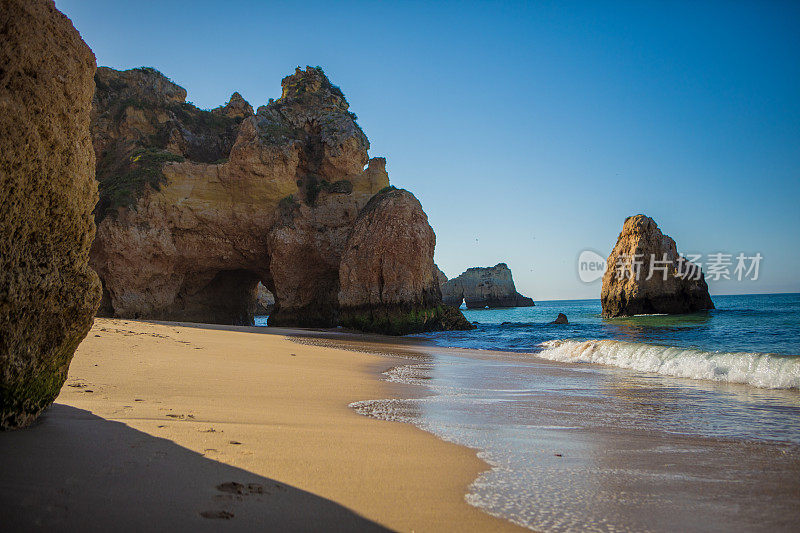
(76, 471)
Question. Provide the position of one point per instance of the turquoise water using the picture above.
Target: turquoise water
(750, 339)
(750, 323)
(654, 423)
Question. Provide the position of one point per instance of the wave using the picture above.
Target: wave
(771, 371)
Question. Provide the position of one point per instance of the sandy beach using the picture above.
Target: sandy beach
(189, 427)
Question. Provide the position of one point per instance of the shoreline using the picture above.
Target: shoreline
(209, 426)
(574, 441)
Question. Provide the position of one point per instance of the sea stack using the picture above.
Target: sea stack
(48, 293)
(482, 287)
(674, 286)
(387, 276)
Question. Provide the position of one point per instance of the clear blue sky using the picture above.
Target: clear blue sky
(528, 132)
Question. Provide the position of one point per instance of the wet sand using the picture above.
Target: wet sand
(168, 426)
(591, 448)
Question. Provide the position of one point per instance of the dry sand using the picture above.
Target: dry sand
(166, 426)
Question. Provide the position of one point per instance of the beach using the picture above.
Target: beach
(189, 427)
(172, 425)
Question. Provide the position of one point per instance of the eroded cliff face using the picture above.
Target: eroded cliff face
(387, 276)
(675, 286)
(194, 203)
(48, 293)
(483, 287)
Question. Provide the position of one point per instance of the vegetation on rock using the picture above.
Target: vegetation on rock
(140, 122)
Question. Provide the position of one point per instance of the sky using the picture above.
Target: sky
(529, 131)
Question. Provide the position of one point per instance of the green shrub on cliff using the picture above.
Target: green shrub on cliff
(126, 176)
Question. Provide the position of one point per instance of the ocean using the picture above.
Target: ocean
(753, 339)
(650, 423)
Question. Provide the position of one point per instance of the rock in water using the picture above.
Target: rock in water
(561, 319)
(387, 277)
(483, 287)
(48, 293)
(675, 286)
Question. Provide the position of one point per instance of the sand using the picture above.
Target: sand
(168, 426)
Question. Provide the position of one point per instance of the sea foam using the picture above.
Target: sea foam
(772, 371)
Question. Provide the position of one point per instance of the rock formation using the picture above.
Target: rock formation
(265, 301)
(387, 276)
(48, 293)
(561, 319)
(675, 286)
(197, 207)
(441, 278)
(483, 287)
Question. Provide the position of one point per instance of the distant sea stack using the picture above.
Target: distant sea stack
(265, 301)
(482, 287)
(676, 286)
(197, 207)
(387, 277)
(48, 293)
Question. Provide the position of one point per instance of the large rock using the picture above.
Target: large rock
(48, 293)
(387, 276)
(482, 287)
(197, 206)
(676, 286)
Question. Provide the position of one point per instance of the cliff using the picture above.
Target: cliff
(482, 287)
(48, 293)
(198, 207)
(387, 277)
(675, 286)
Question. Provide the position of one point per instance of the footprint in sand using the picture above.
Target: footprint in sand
(224, 515)
(232, 487)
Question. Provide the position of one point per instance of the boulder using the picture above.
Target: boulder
(675, 286)
(48, 293)
(561, 319)
(387, 277)
(482, 287)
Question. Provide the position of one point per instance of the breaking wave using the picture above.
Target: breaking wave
(766, 370)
